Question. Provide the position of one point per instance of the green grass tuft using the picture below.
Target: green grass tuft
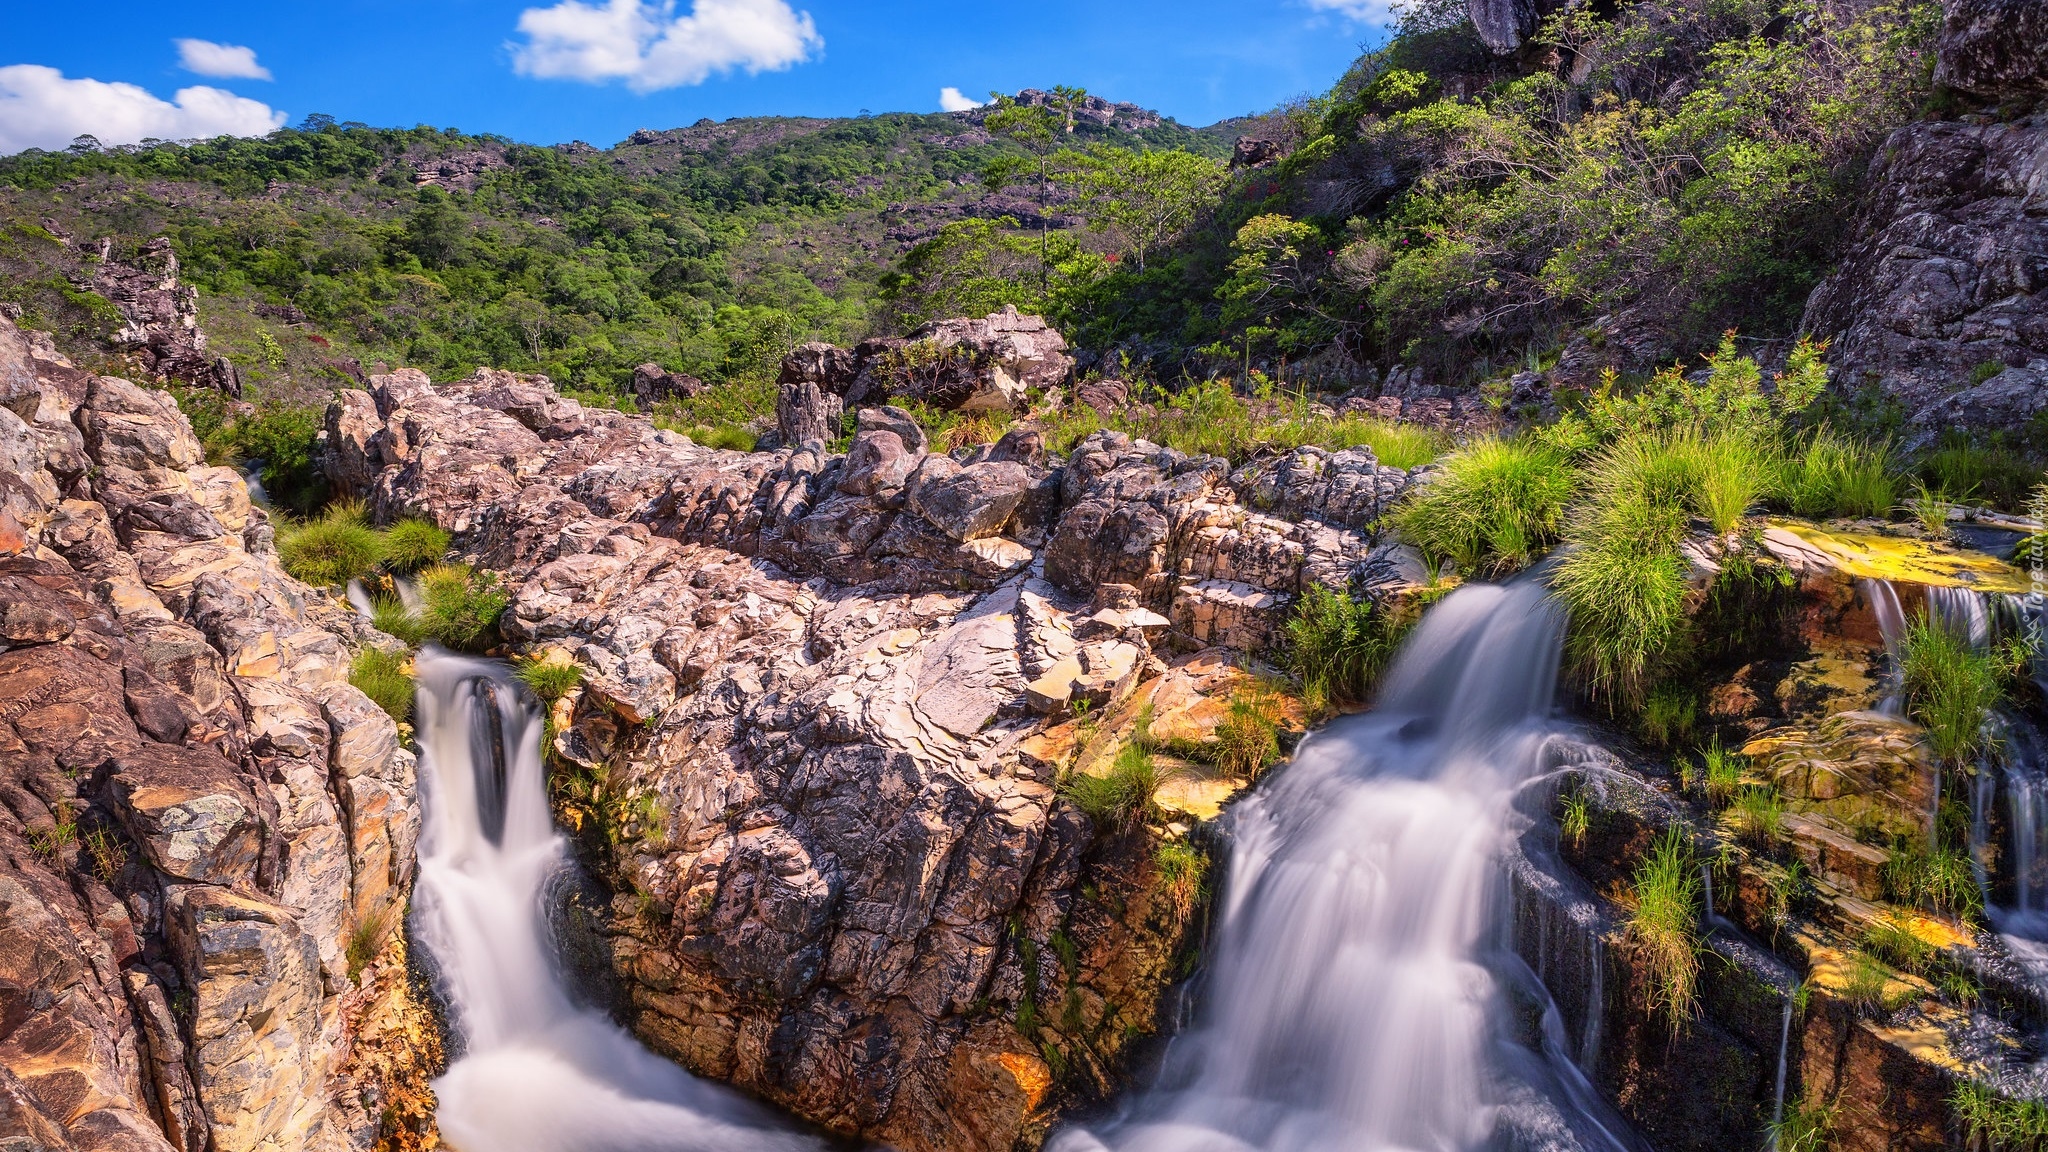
(332, 550)
(1950, 689)
(1722, 771)
(1338, 645)
(1991, 1122)
(1121, 799)
(411, 545)
(1833, 475)
(1664, 927)
(1668, 715)
(385, 679)
(550, 680)
(1758, 816)
(1497, 504)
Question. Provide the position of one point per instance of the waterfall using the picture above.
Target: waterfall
(252, 475)
(535, 1073)
(1355, 999)
(1784, 1049)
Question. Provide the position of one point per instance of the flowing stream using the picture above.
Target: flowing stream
(535, 1073)
(1358, 997)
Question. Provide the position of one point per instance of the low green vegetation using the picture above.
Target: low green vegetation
(1248, 736)
(333, 548)
(1212, 418)
(1495, 506)
(1338, 646)
(1663, 927)
(459, 608)
(1870, 985)
(1721, 773)
(1808, 1126)
(1951, 688)
(1992, 474)
(550, 679)
(1826, 475)
(411, 545)
(1669, 714)
(1183, 870)
(386, 678)
(1990, 1121)
(1758, 817)
(1122, 797)
(283, 435)
(1575, 818)
(1940, 880)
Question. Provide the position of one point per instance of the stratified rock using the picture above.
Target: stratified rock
(830, 368)
(1993, 48)
(161, 316)
(877, 462)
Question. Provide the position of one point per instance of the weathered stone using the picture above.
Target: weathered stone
(190, 810)
(806, 413)
(877, 462)
(1992, 48)
(973, 502)
(653, 384)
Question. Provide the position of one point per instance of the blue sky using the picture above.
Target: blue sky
(547, 71)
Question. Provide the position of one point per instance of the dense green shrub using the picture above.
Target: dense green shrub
(411, 545)
(460, 606)
(1668, 715)
(1979, 473)
(1338, 645)
(1496, 505)
(337, 547)
(385, 678)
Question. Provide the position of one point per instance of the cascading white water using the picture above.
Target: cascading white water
(535, 1073)
(1350, 1004)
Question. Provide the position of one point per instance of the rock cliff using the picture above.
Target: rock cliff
(826, 702)
(205, 831)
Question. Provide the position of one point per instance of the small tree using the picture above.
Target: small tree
(1143, 199)
(1035, 127)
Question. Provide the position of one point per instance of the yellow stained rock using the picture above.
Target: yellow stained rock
(1866, 556)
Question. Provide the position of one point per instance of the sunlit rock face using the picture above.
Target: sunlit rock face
(816, 686)
(196, 809)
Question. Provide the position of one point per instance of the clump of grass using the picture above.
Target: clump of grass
(1338, 645)
(1722, 771)
(1122, 798)
(1664, 927)
(459, 606)
(411, 545)
(337, 547)
(1994, 475)
(366, 938)
(1668, 714)
(1929, 508)
(1574, 818)
(1808, 1126)
(1867, 984)
(1939, 881)
(1991, 1122)
(1832, 475)
(1248, 738)
(1950, 689)
(103, 846)
(385, 678)
(51, 845)
(1891, 938)
(393, 618)
(1182, 869)
(1402, 446)
(550, 680)
(1623, 579)
(1733, 476)
(1758, 816)
(1497, 504)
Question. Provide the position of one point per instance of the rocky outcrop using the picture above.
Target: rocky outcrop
(987, 364)
(653, 384)
(816, 696)
(1992, 48)
(160, 317)
(198, 813)
(1940, 300)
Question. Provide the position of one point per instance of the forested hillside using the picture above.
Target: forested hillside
(708, 249)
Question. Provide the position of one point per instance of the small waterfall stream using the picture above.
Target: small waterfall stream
(1356, 998)
(534, 1073)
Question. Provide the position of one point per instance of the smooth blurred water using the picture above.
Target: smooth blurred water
(1353, 1000)
(535, 1073)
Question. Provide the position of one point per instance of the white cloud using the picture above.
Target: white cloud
(1376, 12)
(40, 108)
(950, 100)
(649, 47)
(231, 61)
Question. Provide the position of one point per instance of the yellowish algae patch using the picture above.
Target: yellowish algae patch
(1867, 556)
